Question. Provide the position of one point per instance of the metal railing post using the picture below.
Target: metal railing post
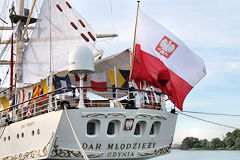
(34, 108)
(55, 103)
(22, 112)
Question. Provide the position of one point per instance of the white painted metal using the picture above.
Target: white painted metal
(81, 60)
(81, 101)
(56, 141)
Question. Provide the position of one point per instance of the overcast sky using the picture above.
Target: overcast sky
(210, 28)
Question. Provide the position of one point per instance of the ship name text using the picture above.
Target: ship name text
(117, 146)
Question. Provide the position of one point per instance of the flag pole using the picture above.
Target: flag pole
(132, 55)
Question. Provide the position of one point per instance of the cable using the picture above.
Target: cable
(75, 136)
(217, 114)
(4, 78)
(219, 124)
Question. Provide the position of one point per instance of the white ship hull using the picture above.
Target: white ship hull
(49, 136)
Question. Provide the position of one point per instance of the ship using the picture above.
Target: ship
(68, 103)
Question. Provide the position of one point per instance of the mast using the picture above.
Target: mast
(20, 12)
(21, 6)
(11, 72)
(51, 68)
(134, 41)
(28, 20)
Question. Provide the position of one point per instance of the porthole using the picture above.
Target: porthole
(152, 131)
(22, 135)
(93, 127)
(17, 136)
(137, 130)
(155, 129)
(38, 131)
(32, 133)
(140, 128)
(4, 139)
(9, 138)
(113, 127)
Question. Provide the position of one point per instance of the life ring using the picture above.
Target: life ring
(29, 111)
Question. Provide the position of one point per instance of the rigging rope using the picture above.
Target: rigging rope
(75, 135)
(3, 21)
(217, 114)
(5, 77)
(5, 47)
(219, 124)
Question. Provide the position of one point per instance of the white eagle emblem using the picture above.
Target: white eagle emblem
(128, 124)
(166, 47)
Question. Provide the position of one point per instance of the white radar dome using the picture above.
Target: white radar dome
(81, 61)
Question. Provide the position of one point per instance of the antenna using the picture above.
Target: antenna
(81, 62)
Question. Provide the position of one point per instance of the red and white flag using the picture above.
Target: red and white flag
(99, 80)
(164, 61)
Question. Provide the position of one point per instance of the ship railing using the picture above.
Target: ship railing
(29, 108)
(125, 98)
(40, 105)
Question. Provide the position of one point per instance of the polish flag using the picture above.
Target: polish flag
(164, 61)
(99, 80)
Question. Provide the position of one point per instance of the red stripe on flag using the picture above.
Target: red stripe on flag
(99, 84)
(151, 69)
(43, 99)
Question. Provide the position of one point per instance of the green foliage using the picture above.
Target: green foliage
(230, 142)
(215, 143)
(237, 143)
(190, 142)
(204, 143)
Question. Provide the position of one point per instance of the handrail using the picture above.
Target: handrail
(140, 90)
(12, 106)
(41, 106)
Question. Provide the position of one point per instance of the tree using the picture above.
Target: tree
(204, 143)
(235, 134)
(237, 143)
(196, 143)
(186, 143)
(190, 142)
(229, 142)
(215, 143)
